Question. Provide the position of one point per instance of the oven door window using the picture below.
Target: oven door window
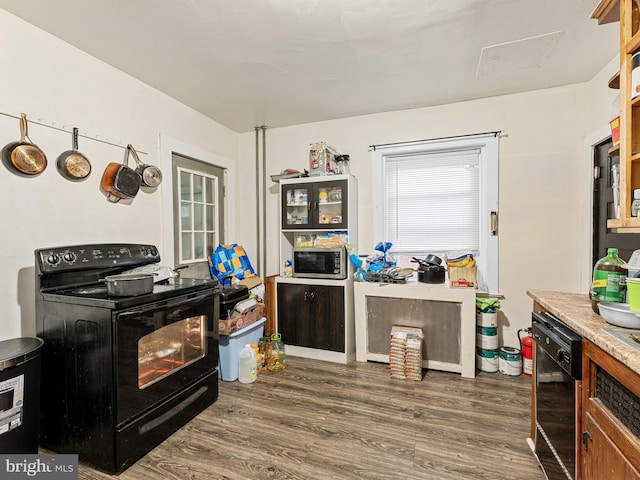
(161, 348)
(170, 348)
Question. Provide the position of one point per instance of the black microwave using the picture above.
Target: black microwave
(320, 263)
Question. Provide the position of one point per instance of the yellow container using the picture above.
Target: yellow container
(633, 291)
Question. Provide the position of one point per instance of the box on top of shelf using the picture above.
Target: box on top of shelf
(322, 159)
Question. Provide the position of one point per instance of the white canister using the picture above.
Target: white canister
(487, 360)
(487, 338)
(486, 319)
(510, 361)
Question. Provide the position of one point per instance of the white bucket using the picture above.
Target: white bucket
(510, 361)
(487, 338)
(487, 319)
(487, 360)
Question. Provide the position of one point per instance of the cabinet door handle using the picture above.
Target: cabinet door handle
(586, 438)
(312, 296)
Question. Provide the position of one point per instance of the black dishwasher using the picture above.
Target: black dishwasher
(558, 372)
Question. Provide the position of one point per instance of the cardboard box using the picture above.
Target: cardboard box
(231, 325)
(463, 277)
(251, 282)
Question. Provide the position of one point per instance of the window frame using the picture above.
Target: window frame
(488, 146)
(215, 221)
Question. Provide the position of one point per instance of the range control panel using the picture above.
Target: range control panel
(80, 257)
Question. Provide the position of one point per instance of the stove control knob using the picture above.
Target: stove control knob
(53, 259)
(563, 356)
(69, 257)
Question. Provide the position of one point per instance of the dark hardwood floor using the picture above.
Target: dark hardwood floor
(318, 420)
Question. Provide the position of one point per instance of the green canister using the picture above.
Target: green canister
(609, 280)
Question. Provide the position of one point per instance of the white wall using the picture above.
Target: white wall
(544, 186)
(51, 81)
(544, 166)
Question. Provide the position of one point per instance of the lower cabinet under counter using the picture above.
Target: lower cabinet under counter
(315, 318)
(610, 417)
(446, 316)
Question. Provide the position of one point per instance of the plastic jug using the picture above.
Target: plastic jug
(277, 357)
(247, 368)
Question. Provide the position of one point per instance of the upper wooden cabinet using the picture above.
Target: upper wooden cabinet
(628, 13)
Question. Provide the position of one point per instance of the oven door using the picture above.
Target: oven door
(161, 349)
(556, 418)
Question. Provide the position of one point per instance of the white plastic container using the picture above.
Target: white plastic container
(230, 346)
(247, 365)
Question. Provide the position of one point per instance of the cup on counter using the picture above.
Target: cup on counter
(633, 293)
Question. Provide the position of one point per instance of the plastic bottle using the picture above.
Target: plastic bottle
(277, 356)
(259, 363)
(264, 347)
(609, 280)
(247, 370)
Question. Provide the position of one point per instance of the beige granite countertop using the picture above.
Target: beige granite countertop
(574, 309)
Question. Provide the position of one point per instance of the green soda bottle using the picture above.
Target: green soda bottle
(609, 280)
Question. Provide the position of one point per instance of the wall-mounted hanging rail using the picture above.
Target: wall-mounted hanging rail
(69, 129)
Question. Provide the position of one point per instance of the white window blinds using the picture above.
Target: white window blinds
(432, 201)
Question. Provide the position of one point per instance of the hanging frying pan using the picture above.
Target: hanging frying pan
(24, 157)
(120, 181)
(151, 175)
(72, 164)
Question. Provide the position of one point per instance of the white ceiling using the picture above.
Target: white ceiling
(248, 63)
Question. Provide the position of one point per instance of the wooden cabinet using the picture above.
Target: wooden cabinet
(315, 316)
(629, 17)
(610, 417)
(312, 315)
(602, 459)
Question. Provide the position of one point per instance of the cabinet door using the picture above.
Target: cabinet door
(312, 316)
(601, 458)
(296, 202)
(330, 203)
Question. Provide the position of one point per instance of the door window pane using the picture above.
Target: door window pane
(198, 244)
(187, 246)
(186, 219)
(198, 186)
(185, 186)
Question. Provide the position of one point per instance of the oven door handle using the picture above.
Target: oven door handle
(168, 304)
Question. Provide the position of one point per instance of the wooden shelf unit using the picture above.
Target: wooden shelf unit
(628, 12)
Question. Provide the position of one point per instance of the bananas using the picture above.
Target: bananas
(463, 261)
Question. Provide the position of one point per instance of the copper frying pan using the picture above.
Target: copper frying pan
(24, 157)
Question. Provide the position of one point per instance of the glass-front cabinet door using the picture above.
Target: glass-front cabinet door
(318, 205)
(295, 208)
